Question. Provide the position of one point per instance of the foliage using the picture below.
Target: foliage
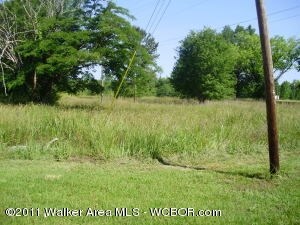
(285, 54)
(285, 90)
(171, 128)
(115, 147)
(204, 68)
(290, 90)
(57, 58)
(248, 68)
(61, 40)
(296, 89)
(164, 88)
(195, 69)
(121, 40)
(92, 85)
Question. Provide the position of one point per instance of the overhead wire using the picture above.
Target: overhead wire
(248, 20)
(269, 14)
(284, 10)
(156, 5)
(161, 17)
(125, 74)
(156, 12)
(286, 18)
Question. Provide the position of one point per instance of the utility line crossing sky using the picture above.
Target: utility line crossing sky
(174, 19)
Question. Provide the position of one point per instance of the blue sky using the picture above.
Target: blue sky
(182, 16)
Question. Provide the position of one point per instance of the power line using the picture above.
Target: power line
(283, 10)
(135, 51)
(157, 13)
(270, 14)
(155, 28)
(250, 20)
(157, 3)
(286, 18)
(157, 16)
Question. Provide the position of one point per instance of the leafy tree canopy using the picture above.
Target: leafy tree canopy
(209, 63)
(204, 68)
(289, 90)
(165, 88)
(48, 47)
(286, 55)
(249, 66)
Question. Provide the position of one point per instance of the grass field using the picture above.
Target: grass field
(103, 157)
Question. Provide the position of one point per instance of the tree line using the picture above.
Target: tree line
(289, 90)
(228, 64)
(52, 46)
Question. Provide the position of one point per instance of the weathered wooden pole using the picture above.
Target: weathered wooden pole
(269, 83)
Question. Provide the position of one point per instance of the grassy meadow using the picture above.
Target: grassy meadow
(82, 153)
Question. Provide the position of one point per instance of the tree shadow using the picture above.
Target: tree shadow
(84, 107)
(260, 176)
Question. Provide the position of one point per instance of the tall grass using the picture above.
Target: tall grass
(86, 127)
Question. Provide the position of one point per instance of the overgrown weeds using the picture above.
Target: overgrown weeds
(85, 127)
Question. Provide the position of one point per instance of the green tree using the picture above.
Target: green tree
(205, 65)
(52, 50)
(295, 87)
(141, 79)
(57, 58)
(165, 88)
(285, 54)
(285, 90)
(93, 86)
(248, 69)
(121, 40)
(60, 40)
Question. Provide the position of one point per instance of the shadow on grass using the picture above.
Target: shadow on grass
(82, 107)
(165, 162)
(260, 176)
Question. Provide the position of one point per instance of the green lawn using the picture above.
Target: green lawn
(134, 184)
(103, 159)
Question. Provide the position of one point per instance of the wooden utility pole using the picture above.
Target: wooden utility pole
(269, 83)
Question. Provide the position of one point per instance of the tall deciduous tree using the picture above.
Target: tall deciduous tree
(295, 86)
(248, 69)
(59, 40)
(286, 55)
(285, 90)
(165, 88)
(123, 41)
(204, 68)
(141, 79)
